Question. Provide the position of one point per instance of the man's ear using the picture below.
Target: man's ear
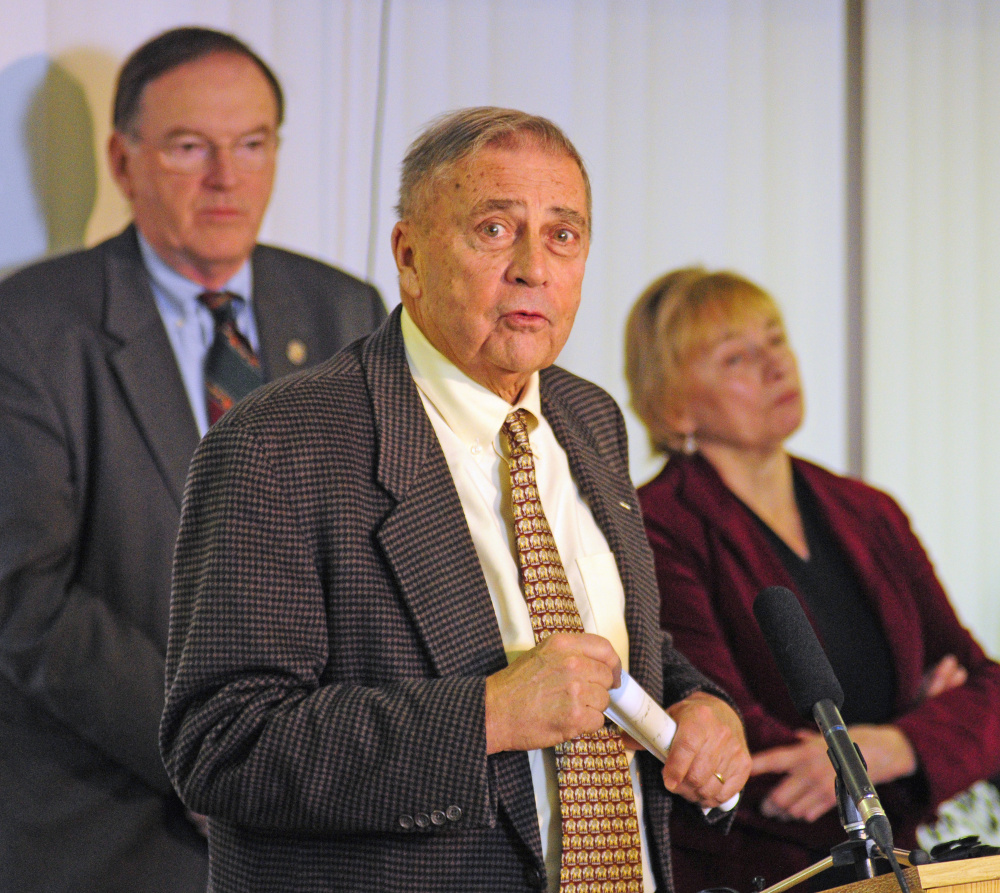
(405, 254)
(119, 163)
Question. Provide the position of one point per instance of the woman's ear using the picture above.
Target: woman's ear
(678, 417)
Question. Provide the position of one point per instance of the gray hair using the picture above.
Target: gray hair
(459, 134)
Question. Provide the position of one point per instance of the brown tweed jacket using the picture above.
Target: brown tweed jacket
(331, 631)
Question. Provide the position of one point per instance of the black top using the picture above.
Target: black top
(846, 624)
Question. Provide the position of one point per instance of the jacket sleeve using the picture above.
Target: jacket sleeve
(957, 734)
(257, 730)
(62, 646)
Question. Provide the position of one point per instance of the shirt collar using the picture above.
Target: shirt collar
(473, 412)
(180, 291)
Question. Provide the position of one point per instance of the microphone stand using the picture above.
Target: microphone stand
(859, 850)
(815, 690)
(822, 865)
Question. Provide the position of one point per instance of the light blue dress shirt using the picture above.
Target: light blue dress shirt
(189, 324)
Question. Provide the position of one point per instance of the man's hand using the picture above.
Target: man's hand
(807, 790)
(709, 740)
(553, 693)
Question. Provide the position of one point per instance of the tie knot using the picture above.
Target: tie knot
(220, 304)
(515, 428)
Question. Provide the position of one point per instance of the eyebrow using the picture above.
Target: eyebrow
(193, 131)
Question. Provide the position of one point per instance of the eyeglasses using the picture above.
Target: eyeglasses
(190, 154)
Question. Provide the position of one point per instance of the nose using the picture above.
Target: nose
(778, 361)
(221, 173)
(529, 264)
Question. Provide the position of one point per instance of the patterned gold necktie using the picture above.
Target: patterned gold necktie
(600, 831)
(232, 369)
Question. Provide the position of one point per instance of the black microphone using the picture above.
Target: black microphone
(816, 692)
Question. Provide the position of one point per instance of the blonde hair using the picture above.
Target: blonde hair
(674, 317)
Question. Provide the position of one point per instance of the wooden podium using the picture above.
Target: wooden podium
(980, 875)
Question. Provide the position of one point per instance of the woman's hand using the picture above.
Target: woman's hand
(807, 790)
(886, 750)
(945, 675)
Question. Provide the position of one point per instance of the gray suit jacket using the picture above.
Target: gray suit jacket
(96, 434)
(331, 631)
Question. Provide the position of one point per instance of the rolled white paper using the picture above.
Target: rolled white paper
(647, 722)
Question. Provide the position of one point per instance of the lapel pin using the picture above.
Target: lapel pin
(296, 352)
(625, 505)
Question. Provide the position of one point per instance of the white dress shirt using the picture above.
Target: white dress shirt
(467, 419)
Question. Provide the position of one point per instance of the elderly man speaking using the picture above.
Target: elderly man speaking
(406, 580)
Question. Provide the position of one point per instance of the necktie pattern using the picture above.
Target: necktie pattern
(232, 369)
(600, 830)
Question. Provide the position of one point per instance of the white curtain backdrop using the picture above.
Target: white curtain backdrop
(932, 261)
(715, 132)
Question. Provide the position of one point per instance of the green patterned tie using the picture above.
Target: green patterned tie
(232, 369)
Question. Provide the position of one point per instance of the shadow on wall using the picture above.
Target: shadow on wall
(48, 176)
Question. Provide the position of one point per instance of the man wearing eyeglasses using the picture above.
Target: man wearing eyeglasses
(104, 358)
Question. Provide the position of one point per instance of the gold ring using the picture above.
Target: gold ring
(721, 779)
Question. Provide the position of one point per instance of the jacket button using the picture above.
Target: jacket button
(437, 817)
(406, 822)
(453, 813)
(422, 819)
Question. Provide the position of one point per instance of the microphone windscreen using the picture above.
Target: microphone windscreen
(803, 663)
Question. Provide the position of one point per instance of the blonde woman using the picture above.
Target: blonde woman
(714, 378)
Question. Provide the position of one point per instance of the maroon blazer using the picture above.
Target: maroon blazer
(712, 560)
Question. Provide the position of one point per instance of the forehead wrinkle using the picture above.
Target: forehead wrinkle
(233, 78)
(497, 204)
(560, 212)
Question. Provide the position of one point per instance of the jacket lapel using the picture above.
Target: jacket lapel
(426, 542)
(617, 514)
(866, 550)
(874, 557)
(425, 537)
(289, 338)
(702, 490)
(145, 366)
